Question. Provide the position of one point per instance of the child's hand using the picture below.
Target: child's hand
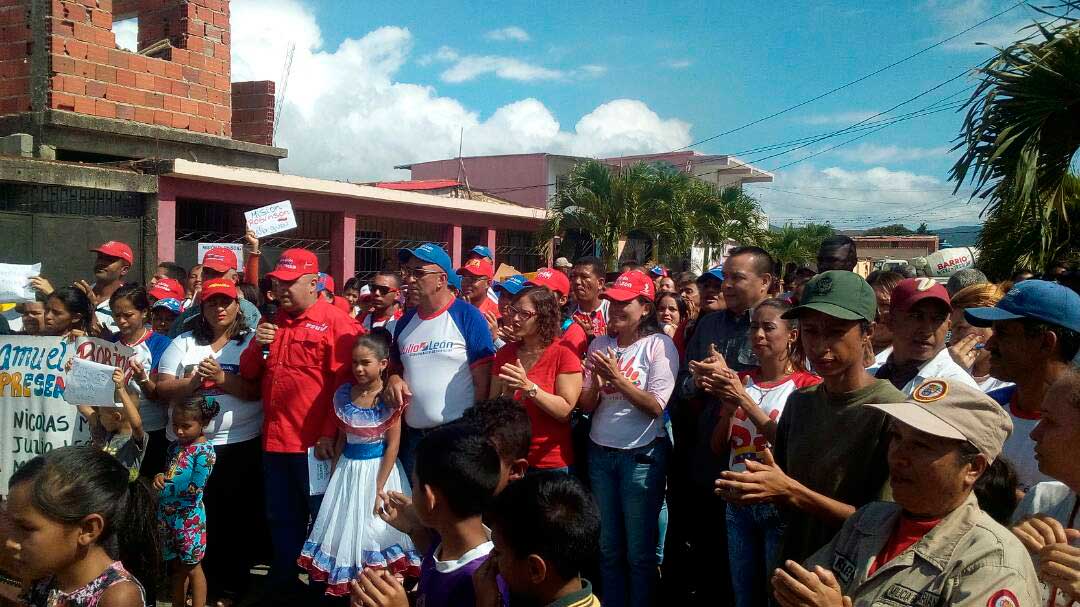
(378, 504)
(139, 371)
(486, 585)
(398, 512)
(118, 379)
(377, 588)
(159, 482)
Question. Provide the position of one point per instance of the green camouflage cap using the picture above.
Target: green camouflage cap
(838, 293)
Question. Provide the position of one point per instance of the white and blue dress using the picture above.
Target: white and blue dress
(348, 536)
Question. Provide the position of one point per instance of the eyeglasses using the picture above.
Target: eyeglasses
(512, 312)
(418, 273)
(382, 289)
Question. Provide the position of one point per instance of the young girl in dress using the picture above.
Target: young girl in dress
(73, 517)
(348, 534)
(181, 515)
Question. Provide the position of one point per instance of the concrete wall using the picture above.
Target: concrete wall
(508, 177)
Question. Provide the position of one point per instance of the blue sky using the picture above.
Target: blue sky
(378, 84)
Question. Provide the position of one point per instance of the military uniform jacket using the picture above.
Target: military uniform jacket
(968, 559)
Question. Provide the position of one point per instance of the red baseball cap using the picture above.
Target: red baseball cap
(631, 285)
(116, 249)
(220, 259)
(477, 267)
(295, 263)
(166, 288)
(218, 286)
(911, 291)
(552, 279)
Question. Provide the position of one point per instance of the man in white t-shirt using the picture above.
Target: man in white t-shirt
(1036, 335)
(441, 360)
(1046, 521)
(919, 321)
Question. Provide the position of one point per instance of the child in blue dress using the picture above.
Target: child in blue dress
(181, 516)
(349, 534)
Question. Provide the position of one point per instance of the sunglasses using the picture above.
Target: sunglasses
(418, 273)
(382, 289)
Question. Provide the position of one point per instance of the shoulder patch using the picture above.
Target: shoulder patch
(930, 391)
(844, 568)
(1003, 598)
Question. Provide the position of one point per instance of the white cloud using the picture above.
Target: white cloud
(512, 33)
(346, 116)
(127, 34)
(844, 118)
(678, 64)
(870, 153)
(856, 199)
(954, 16)
(591, 71)
(471, 67)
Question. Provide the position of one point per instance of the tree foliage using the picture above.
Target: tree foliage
(1019, 139)
(895, 229)
(673, 208)
(798, 245)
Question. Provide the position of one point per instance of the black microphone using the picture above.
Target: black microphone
(270, 309)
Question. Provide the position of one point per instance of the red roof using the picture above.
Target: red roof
(419, 184)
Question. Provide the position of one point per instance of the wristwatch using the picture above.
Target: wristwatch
(531, 392)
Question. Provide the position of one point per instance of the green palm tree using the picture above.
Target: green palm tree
(1020, 136)
(798, 245)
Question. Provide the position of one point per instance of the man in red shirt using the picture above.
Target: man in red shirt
(309, 345)
(476, 277)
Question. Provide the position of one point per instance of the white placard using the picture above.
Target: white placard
(235, 247)
(318, 472)
(90, 383)
(15, 282)
(271, 219)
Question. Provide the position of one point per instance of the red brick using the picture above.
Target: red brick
(105, 108)
(56, 83)
(195, 44)
(95, 89)
(162, 85)
(180, 121)
(63, 65)
(174, 70)
(84, 69)
(163, 118)
(144, 82)
(138, 63)
(61, 101)
(106, 39)
(88, 3)
(59, 27)
(119, 58)
(101, 19)
(144, 115)
(188, 106)
(206, 110)
(180, 89)
(84, 32)
(76, 13)
(105, 73)
(156, 66)
(154, 100)
(84, 105)
(97, 54)
(125, 77)
(74, 85)
(198, 92)
(75, 48)
(196, 60)
(172, 103)
(125, 112)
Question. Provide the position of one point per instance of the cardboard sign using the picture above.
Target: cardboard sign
(15, 282)
(505, 271)
(90, 383)
(271, 219)
(235, 247)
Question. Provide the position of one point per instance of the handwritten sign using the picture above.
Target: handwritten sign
(318, 471)
(15, 282)
(34, 418)
(112, 354)
(90, 383)
(235, 247)
(271, 219)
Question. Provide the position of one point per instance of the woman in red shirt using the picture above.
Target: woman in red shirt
(541, 373)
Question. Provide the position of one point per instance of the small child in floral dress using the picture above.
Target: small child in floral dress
(181, 515)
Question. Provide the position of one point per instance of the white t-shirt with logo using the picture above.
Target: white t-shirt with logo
(651, 364)
(238, 420)
(746, 440)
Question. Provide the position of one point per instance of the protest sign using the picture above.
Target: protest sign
(15, 282)
(271, 219)
(90, 383)
(235, 247)
(113, 354)
(34, 418)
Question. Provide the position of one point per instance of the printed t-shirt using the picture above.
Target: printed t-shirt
(104, 315)
(128, 450)
(239, 420)
(309, 353)
(598, 317)
(437, 354)
(148, 351)
(650, 363)
(449, 583)
(834, 445)
(551, 446)
(370, 321)
(746, 441)
(1057, 501)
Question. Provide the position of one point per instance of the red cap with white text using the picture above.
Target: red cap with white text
(295, 263)
(631, 285)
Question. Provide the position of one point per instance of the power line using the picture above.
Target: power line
(851, 83)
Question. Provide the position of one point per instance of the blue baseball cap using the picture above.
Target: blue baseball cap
(170, 304)
(658, 270)
(717, 273)
(482, 251)
(433, 253)
(1049, 302)
(513, 284)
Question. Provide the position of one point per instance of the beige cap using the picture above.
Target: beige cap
(563, 262)
(954, 410)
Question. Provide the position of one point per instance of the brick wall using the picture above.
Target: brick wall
(14, 56)
(253, 111)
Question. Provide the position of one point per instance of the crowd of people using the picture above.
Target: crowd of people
(752, 435)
